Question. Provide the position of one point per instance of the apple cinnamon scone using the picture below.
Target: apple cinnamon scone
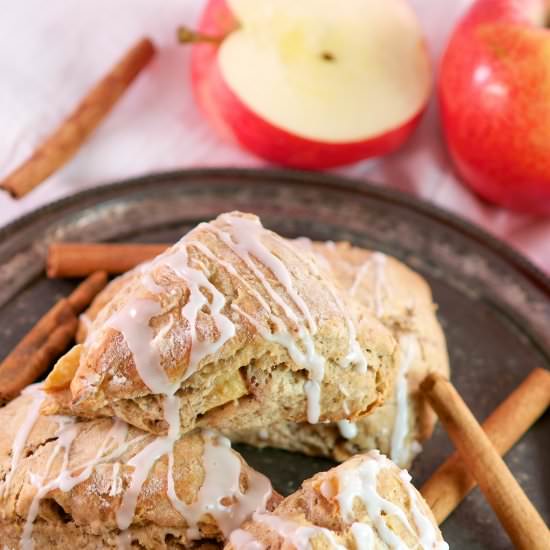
(364, 503)
(232, 326)
(401, 299)
(69, 483)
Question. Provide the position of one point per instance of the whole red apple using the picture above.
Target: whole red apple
(494, 94)
(311, 84)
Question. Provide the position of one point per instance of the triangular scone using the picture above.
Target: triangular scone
(367, 502)
(402, 300)
(232, 326)
(101, 483)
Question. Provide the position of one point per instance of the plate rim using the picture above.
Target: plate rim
(346, 184)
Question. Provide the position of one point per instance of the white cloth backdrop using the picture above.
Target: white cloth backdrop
(50, 53)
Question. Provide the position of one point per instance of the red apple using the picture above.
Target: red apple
(494, 93)
(312, 83)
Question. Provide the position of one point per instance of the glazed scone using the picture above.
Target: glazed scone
(365, 503)
(232, 326)
(67, 483)
(401, 299)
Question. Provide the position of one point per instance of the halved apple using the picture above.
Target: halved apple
(312, 83)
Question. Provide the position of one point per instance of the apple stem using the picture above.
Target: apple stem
(189, 36)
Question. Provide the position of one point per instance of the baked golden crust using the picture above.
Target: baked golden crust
(234, 315)
(402, 300)
(366, 502)
(77, 478)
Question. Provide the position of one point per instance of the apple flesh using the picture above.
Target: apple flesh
(494, 95)
(312, 83)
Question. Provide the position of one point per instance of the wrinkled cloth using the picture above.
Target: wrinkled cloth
(51, 54)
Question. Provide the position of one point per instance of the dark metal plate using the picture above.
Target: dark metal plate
(494, 305)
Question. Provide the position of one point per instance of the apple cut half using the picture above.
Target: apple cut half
(312, 83)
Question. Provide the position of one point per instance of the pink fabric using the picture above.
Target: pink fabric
(50, 55)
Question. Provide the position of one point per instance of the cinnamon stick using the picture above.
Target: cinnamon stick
(62, 145)
(452, 481)
(81, 259)
(515, 511)
(47, 340)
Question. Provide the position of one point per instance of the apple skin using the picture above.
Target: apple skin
(236, 122)
(494, 97)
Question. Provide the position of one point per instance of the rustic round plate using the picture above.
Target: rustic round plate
(494, 305)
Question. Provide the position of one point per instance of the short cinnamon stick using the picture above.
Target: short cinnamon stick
(452, 481)
(515, 511)
(47, 340)
(62, 145)
(81, 259)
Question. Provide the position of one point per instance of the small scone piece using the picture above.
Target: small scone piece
(68, 483)
(233, 326)
(365, 503)
(402, 300)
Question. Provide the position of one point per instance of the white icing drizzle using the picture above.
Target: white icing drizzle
(220, 494)
(427, 532)
(219, 459)
(243, 236)
(400, 451)
(244, 239)
(359, 277)
(246, 243)
(24, 431)
(133, 322)
(124, 540)
(196, 280)
(143, 461)
(64, 441)
(243, 540)
(376, 262)
(116, 481)
(113, 445)
(312, 389)
(360, 482)
(142, 464)
(363, 535)
(379, 261)
(345, 407)
(355, 355)
(295, 533)
(282, 337)
(222, 473)
(222, 480)
(347, 429)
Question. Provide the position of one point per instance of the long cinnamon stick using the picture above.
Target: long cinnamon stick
(515, 511)
(81, 259)
(62, 145)
(452, 481)
(47, 340)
